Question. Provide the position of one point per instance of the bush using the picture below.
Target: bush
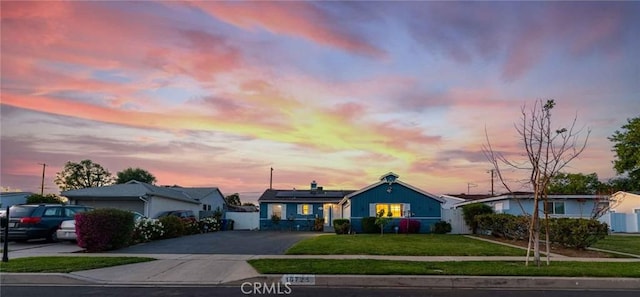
(504, 225)
(369, 225)
(191, 226)
(146, 230)
(470, 211)
(173, 226)
(319, 224)
(576, 233)
(46, 199)
(441, 227)
(209, 224)
(341, 226)
(409, 226)
(104, 229)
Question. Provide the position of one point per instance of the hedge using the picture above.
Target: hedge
(409, 226)
(341, 226)
(441, 227)
(470, 211)
(369, 225)
(173, 226)
(104, 229)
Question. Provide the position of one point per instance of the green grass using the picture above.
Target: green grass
(388, 267)
(620, 243)
(401, 245)
(66, 264)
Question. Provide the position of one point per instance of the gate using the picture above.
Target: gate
(455, 218)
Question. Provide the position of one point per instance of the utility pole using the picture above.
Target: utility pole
(271, 179)
(42, 184)
(492, 177)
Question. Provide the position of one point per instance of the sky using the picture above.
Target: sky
(217, 93)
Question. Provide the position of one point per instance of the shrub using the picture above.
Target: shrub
(504, 225)
(369, 225)
(409, 226)
(145, 230)
(470, 211)
(104, 229)
(441, 227)
(173, 226)
(191, 226)
(341, 226)
(319, 224)
(47, 199)
(209, 224)
(576, 233)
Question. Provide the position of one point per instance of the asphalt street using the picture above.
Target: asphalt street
(223, 291)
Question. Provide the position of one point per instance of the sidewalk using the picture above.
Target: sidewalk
(233, 270)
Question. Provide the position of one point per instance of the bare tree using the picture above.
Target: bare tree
(548, 151)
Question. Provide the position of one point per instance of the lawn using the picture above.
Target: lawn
(401, 245)
(620, 243)
(66, 264)
(389, 267)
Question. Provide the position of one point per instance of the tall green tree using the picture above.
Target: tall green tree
(575, 184)
(627, 149)
(84, 174)
(138, 174)
(233, 199)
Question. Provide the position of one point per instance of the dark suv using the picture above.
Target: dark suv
(31, 221)
(183, 214)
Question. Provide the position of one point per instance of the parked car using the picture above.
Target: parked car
(67, 230)
(184, 214)
(32, 221)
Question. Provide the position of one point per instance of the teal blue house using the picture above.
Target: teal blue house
(392, 195)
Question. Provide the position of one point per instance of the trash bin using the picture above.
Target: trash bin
(223, 225)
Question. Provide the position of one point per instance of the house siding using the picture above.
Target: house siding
(290, 219)
(423, 208)
(572, 207)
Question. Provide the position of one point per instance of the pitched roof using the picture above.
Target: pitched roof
(432, 196)
(197, 193)
(311, 196)
(132, 189)
(530, 196)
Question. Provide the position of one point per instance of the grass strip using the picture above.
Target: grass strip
(620, 243)
(401, 245)
(471, 268)
(66, 264)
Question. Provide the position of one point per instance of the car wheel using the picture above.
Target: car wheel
(53, 237)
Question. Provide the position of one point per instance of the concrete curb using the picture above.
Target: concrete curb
(471, 282)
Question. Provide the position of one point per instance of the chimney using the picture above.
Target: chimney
(314, 186)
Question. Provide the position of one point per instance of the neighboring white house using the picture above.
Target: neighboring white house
(450, 201)
(148, 199)
(625, 212)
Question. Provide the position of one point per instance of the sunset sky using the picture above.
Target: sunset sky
(217, 93)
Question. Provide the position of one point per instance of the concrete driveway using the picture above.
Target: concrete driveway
(227, 242)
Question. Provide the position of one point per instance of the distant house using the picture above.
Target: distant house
(568, 206)
(148, 199)
(450, 201)
(625, 212)
(298, 209)
(12, 198)
(392, 195)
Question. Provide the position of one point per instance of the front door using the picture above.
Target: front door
(329, 210)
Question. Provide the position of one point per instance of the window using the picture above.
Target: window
(306, 209)
(53, 212)
(395, 209)
(498, 207)
(276, 210)
(555, 207)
